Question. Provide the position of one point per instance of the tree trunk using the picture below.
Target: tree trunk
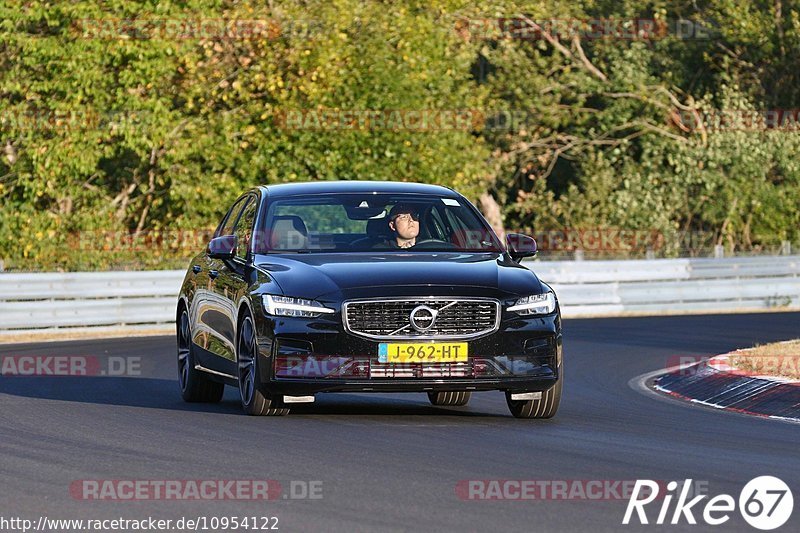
(491, 210)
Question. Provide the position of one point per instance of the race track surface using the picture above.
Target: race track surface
(393, 461)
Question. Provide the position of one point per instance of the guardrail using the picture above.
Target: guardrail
(585, 288)
(660, 286)
(87, 299)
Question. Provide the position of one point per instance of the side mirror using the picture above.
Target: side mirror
(520, 246)
(223, 247)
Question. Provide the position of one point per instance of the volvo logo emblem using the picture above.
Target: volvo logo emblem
(422, 318)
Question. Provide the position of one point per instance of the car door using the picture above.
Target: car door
(209, 312)
(230, 285)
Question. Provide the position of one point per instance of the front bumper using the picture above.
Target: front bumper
(302, 357)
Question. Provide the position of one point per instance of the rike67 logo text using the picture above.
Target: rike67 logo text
(765, 503)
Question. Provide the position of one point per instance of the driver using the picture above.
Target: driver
(404, 223)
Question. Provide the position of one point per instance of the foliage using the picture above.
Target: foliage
(113, 133)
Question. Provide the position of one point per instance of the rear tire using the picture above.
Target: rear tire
(545, 407)
(195, 386)
(255, 401)
(450, 398)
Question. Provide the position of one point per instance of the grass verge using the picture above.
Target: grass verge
(780, 359)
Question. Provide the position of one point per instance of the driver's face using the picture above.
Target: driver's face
(405, 226)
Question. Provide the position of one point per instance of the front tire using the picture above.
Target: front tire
(195, 386)
(255, 401)
(544, 407)
(450, 398)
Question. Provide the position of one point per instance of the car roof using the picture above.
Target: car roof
(359, 187)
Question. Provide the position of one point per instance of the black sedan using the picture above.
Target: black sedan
(366, 287)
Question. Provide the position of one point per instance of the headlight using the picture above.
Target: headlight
(286, 306)
(538, 304)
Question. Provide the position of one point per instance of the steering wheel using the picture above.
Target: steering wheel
(366, 242)
(435, 243)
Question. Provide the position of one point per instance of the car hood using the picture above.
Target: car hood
(343, 275)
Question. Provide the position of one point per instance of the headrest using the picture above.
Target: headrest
(378, 227)
(289, 233)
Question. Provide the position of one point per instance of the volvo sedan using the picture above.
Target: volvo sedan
(320, 287)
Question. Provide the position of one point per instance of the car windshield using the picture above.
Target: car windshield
(373, 222)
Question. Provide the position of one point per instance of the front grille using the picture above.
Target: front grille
(456, 318)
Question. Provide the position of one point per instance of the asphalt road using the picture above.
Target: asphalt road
(392, 461)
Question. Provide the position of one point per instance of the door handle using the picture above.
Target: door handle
(197, 269)
(213, 274)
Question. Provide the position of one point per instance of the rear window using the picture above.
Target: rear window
(322, 218)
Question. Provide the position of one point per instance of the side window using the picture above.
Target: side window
(244, 228)
(226, 226)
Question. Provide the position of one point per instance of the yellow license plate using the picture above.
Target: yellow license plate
(422, 352)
